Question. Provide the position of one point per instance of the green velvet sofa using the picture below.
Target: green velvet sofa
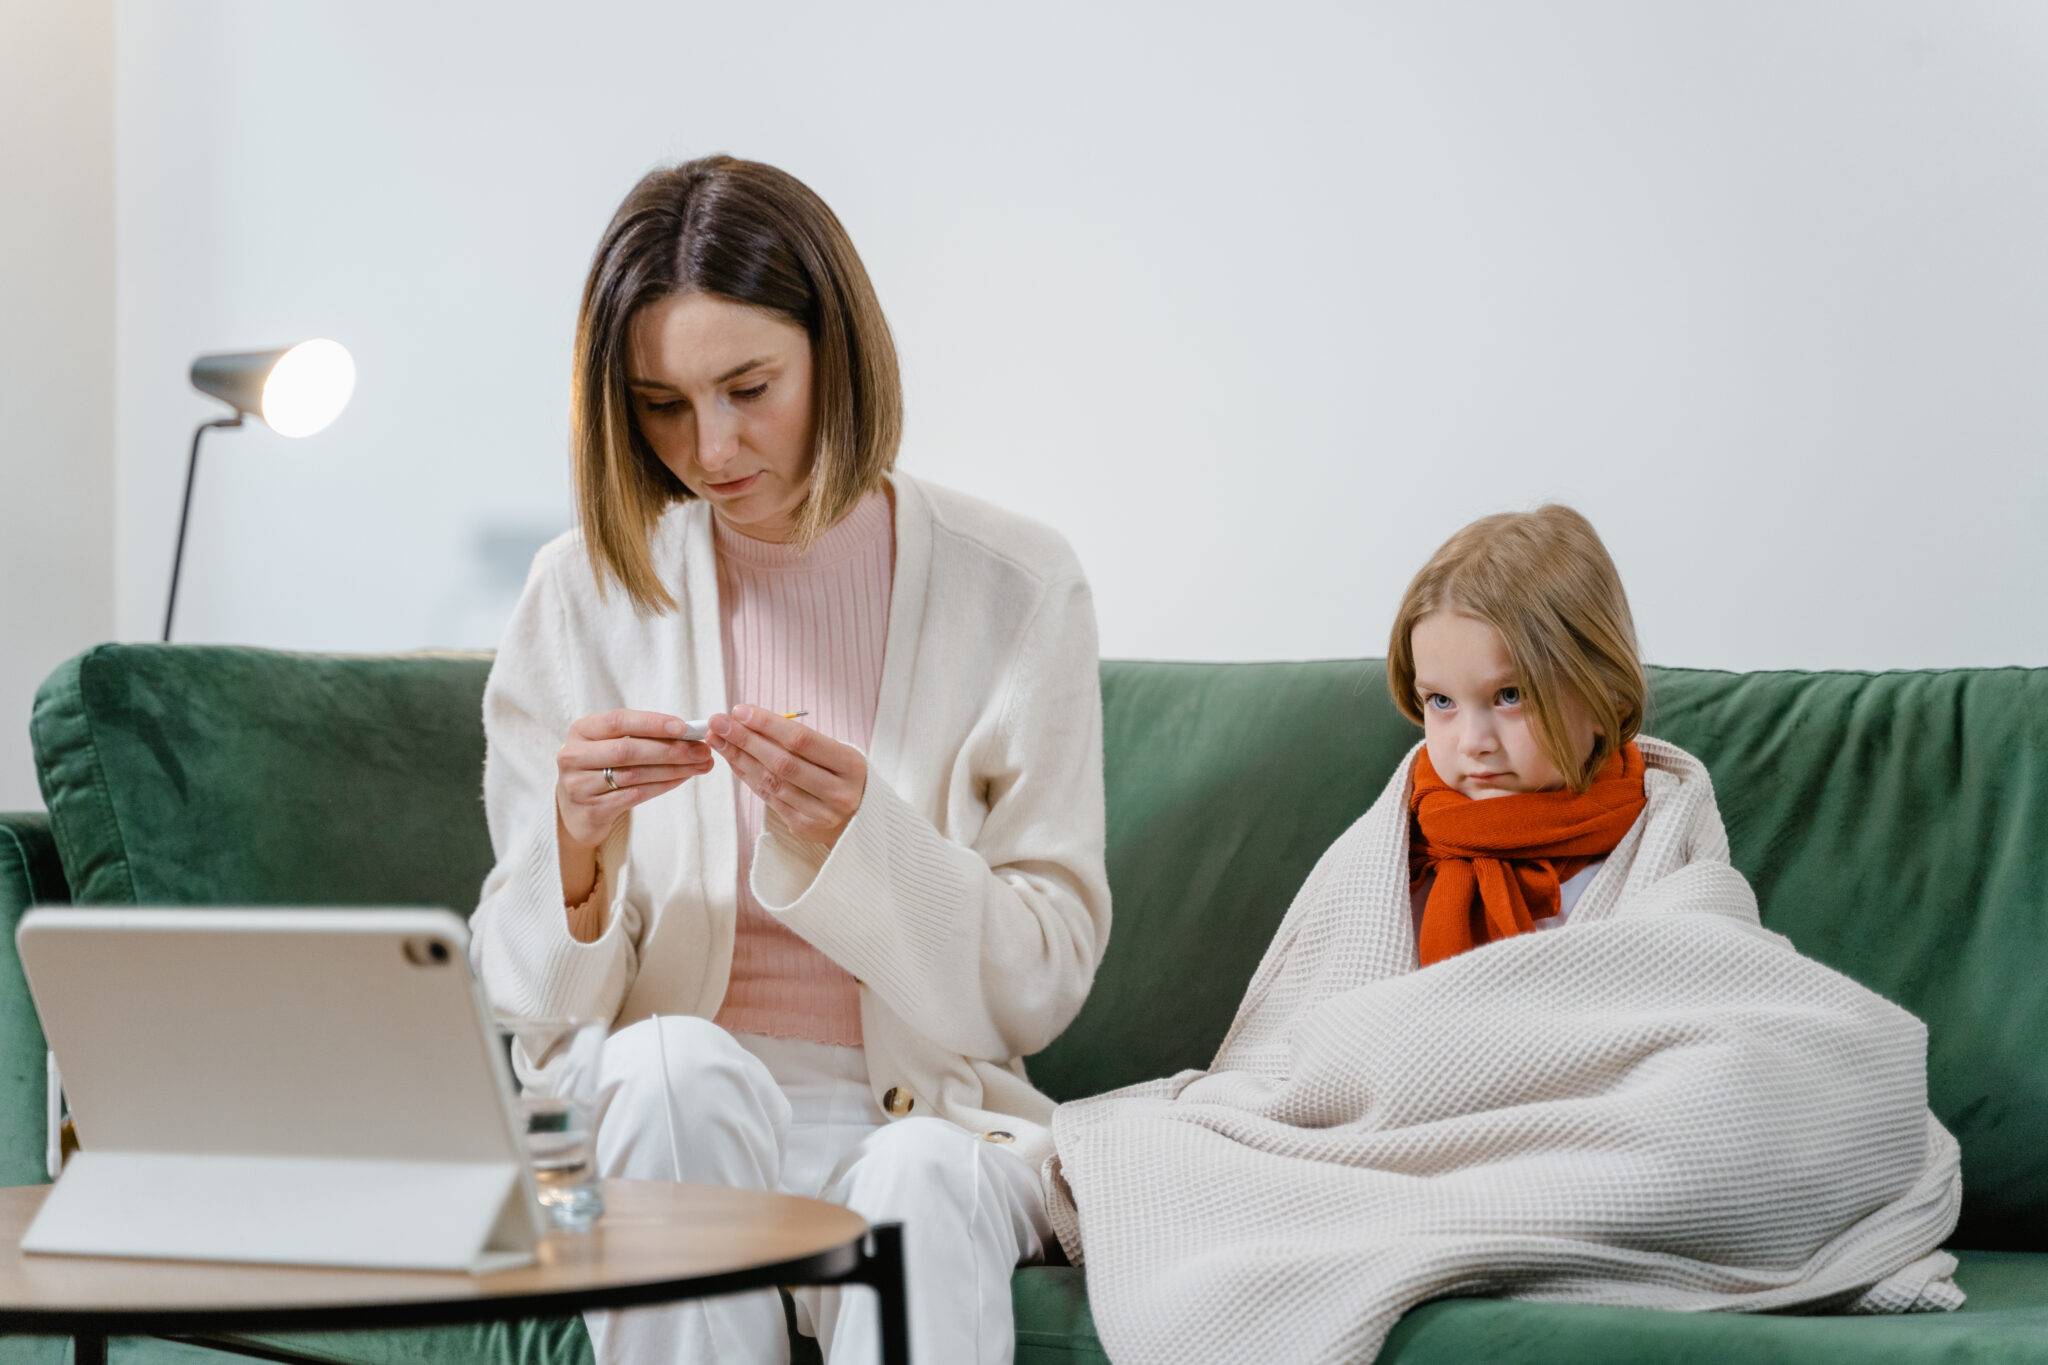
(1895, 825)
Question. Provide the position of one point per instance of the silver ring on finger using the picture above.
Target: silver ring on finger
(610, 781)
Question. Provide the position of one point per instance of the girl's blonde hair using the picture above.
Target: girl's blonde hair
(747, 232)
(1544, 581)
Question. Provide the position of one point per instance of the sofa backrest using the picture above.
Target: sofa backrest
(182, 775)
(1895, 826)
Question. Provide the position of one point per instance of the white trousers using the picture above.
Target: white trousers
(796, 1116)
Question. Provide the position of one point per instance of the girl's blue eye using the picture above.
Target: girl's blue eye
(1509, 696)
(1430, 702)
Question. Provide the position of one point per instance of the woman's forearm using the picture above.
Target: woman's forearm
(579, 879)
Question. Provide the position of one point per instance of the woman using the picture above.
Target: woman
(827, 942)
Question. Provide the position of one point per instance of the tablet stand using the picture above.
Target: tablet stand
(421, 1215)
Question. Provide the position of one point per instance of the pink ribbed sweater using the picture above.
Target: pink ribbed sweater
(801, 632)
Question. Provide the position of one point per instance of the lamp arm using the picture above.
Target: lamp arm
(185, 513)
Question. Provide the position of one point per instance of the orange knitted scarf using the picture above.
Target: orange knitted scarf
(1499, 862)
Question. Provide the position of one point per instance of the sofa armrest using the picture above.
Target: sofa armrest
(30, 874)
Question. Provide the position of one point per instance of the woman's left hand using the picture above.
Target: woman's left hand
(811, 783)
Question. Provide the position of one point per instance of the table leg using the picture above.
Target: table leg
(884, 1270)
(88, 1350)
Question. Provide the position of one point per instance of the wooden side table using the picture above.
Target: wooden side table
(656, 1243)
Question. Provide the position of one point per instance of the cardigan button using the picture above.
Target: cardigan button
(898, 1101)
(998, 1135)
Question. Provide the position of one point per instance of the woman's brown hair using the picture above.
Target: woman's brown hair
(1545, 582)
(757, 236)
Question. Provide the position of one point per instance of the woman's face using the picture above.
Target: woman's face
(722, 393)
(1476, 723)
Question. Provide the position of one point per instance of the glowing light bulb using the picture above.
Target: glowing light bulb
(308, 387)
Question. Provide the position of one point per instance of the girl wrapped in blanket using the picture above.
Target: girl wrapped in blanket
(1514, 650)
(1426, 1092)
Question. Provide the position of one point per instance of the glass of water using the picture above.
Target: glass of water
(555, 1062)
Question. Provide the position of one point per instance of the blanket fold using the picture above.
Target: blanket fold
(1661, 1105)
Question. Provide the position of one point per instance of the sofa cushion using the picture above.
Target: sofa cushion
(1225, 783)
(2006, 1319)
(179, 775)
(1893, 827)
(29, 875)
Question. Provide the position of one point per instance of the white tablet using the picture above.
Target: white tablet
(318, 1086)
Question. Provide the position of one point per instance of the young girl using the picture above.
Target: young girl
(1514, 651)
(1425, 1093)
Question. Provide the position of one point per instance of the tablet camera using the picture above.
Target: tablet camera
(426, 952)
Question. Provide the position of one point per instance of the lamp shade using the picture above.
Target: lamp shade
(296, 390)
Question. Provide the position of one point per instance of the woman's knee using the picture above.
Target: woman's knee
(681, 1070)
(910, 1161)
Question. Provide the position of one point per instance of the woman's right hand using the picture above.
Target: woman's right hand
(646, 759)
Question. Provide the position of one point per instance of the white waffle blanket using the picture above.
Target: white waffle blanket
(1660, 1105)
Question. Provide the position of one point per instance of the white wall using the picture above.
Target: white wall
(1257, 303)
(56, 354)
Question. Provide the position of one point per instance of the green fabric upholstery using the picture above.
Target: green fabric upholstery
(30, 875)
(179, 776)
(1891, 823)
(1054, 1326)
(2006, 1319)
(1895, 827)
(1225, 783)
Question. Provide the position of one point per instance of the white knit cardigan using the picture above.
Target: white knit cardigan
(968, 893)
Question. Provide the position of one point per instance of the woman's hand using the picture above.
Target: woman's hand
(645, 757)
(811, 783)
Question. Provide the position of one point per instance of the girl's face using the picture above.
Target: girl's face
(722, 393)
(1476, 725)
